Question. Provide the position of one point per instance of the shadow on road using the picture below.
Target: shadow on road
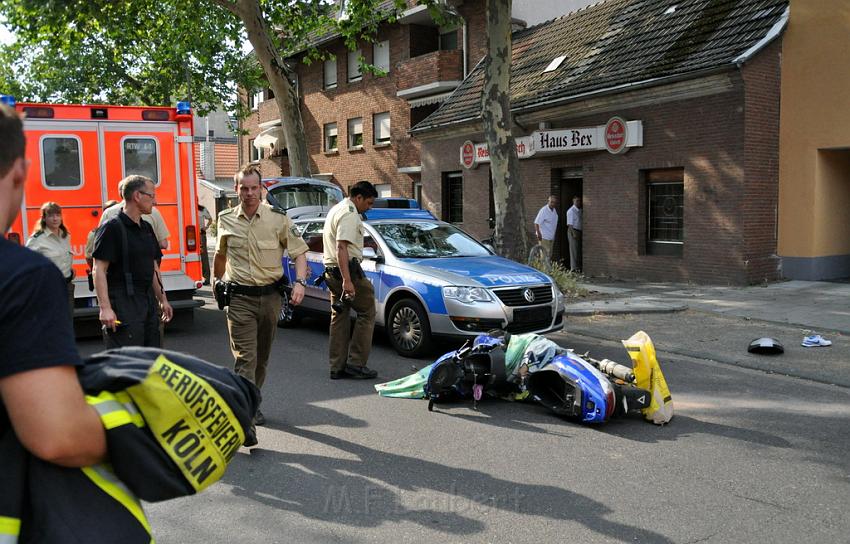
(365, 487)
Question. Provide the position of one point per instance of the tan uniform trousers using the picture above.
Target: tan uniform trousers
(548, 246)
(346, 344)
(252, 323)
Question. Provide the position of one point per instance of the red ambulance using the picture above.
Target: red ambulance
(79, 153)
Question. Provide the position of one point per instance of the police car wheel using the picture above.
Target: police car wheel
(408, 328)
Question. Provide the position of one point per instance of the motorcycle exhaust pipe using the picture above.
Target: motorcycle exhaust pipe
(612, 368)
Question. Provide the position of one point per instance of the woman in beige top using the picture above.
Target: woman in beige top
(52, 239)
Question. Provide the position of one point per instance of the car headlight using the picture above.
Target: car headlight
(466, 294)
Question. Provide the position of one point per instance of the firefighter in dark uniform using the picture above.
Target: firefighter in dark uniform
(41, 401)
(251, 239)
(126, 273)
(343, 251)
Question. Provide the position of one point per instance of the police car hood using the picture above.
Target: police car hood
(489, 271)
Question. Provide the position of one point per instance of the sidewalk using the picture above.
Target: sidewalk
(718, 323)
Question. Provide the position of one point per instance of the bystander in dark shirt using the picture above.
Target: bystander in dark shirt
(35, 331)
(143, 250)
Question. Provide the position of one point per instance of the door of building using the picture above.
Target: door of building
(568, 183)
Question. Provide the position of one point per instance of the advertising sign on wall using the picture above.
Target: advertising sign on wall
(616, 136)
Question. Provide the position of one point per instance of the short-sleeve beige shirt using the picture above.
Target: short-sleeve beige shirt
(90, 243)
(56, 248)
(155, 219)
(342, 223)
(254, 247)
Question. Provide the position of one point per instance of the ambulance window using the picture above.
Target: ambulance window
(61, 166)
(141, 157)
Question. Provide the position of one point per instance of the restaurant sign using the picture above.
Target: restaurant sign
(616, 136)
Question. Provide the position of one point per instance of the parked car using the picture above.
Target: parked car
(302, 197)
(432, 279)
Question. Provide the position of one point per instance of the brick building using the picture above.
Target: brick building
(357, 124)
(216, 151)
(663, 116)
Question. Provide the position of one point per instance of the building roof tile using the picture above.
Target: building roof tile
(616, 43)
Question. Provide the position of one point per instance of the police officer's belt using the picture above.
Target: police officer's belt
(254, 290)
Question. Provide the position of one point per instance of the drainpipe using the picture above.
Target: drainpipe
(465, 47)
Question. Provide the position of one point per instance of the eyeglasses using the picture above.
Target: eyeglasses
(147, 194)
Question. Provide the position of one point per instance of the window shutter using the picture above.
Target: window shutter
(330, 73)
(381, 54)
(354, 65)
(382, 127)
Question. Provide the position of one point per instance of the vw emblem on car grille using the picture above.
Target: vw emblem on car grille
(528, 295)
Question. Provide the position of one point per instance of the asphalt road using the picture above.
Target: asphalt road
(749, 457)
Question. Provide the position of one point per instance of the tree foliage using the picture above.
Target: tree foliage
(160, 51)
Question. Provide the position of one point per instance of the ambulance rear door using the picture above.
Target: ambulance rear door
(64, 168)
(151, 149)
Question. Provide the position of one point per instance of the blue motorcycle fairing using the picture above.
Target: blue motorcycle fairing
(597, 393)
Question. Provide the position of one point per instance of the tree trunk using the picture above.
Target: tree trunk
(282, 82)
(511, 233)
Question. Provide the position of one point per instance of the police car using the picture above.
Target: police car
(432, 279)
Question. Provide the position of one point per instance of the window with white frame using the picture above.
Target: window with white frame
(255, 99)
(330, 137)
(256, 154)
(381, 127)
(140, 156)
(330, 73)
(381, 55)
(61, 162)
(355, 133)
(354, 73)
(385, 190)
(342, 14)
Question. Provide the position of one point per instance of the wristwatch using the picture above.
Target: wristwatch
(302, 281)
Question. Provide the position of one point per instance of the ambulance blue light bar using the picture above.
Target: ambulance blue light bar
(7, 99)
(184, 108)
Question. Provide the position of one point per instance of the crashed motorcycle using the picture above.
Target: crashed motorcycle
(532, 367)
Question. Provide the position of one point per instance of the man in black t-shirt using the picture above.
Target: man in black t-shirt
(127, 279)
(42, 401)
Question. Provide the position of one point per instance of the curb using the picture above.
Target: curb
(659, 309)
(717, 358)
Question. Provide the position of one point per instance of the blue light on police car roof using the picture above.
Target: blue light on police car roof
(184, 108)
(7, 99)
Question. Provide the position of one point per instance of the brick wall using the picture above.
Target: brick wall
(761, 76)
(196, 152)
(371, 95)
(226, 160)
(431, 67)
(704, 136)
(474, 15)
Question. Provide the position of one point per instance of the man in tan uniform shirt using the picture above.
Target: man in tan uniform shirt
(343, 241)
(251, 241)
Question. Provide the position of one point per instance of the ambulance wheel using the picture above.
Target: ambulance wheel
(408, 328)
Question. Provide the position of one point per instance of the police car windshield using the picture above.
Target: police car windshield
(305, 194)
(426, 239)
